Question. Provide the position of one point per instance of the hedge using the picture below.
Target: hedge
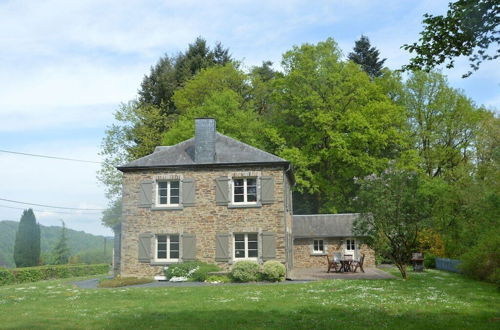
(33, 274)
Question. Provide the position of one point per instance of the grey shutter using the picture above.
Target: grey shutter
(188, 192)
(222, 247)
(222, 190)
(145, 247)
(188, 247)
(146, 194)
(267, 190)
(268, 246)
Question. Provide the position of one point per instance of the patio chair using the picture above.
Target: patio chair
(359, 263)
(334, 263)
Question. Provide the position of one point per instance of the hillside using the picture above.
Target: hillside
(87, 246)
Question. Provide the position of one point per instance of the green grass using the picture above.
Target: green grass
(431, 300)
(123, 281)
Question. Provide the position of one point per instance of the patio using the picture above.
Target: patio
(302, 274)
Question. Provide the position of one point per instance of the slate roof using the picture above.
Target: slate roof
(323, 225)
(228, 152)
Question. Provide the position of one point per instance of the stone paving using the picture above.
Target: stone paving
(321, 274)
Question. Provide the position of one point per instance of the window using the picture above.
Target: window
(167, 247)
(245, 190)
(318, 246)
(246, 246)
(350, 245)
(167, 193)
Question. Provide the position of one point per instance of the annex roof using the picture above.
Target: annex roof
(324, 225)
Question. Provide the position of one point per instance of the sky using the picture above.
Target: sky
(65, 67)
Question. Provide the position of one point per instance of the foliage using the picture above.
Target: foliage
(245, 271)
(40, 273)
(334, 124)
(468, 29)
(429, 261)
(273, 271)
(193, 270)
(218, 279)
(367, 56)
(123, 281)
(430, 242)
(27, 244)
(483, 260)
(445, 301)
(61, 250)
(393, 210)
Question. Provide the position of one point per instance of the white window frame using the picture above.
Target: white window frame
(167, 259)
(246, 247)
(245, 190)
(157, 193)
(314, 251)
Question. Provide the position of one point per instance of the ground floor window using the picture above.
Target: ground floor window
(246, 246)
(318, 246)
(167, 247)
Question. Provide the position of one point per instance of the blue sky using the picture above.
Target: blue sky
(65, 66)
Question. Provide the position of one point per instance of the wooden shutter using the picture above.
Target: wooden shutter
(268, 246)
(267, 190)
(188, 247)
(146, 194)
(188, 192)
(222, 247)
(222, 190)
(145, 242)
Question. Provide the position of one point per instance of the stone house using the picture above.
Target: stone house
(209, 198)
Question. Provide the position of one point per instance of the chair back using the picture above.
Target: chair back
(348, 256)
(337, 256)
(362, 259)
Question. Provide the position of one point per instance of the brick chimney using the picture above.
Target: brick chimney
(204, 140)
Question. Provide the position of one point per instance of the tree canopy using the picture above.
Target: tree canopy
(367, 56)
(27, 244)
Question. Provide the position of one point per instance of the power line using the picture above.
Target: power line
(51, 157)
(51, 206)
(59, 212)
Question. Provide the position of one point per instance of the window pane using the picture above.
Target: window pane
(162, 255)
(174, 199)
(174, 184)
(251, 182)
(174, 254)
(238, 198)
(252, 237)
(239, 245)
(239, 253)
(163, 200)
(251, 198)
(252, 190)
(238, 182)
(252, 253)
(315, 244)
(320, 245)
(174, 192)
(238, 190)
(252, 245)
(174, 238)
(239, 237)
(162, 185)
(161, 238)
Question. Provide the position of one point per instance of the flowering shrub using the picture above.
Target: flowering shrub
(273, 271)
(245, 271)
(194, 271)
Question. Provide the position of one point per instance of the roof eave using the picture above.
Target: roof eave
(154, 167)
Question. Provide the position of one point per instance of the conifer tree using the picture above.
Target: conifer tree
(61, 250)
(27, 244)
(367, 56)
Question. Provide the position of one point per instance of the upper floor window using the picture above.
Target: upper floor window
(245, 190)
(167, 248)
(168, 193)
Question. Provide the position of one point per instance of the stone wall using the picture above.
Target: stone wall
(303, 256)
(205, 219)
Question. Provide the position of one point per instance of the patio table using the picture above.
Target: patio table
(345, 264)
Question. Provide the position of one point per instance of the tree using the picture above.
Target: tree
(334, 124)
(468, 29)
(61, 251)
(393, 210)
(368, 57)
(27, 244)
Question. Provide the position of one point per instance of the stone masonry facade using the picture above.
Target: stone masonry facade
(205, 219)
(303, 256)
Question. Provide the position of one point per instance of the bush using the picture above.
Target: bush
(482, 261)
(245, 271)
(429, 261)
(33, 274)
(218, 279)
(123, 281)
(193, 270)
(273, 271)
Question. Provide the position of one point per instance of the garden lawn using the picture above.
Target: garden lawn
(430, 300)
